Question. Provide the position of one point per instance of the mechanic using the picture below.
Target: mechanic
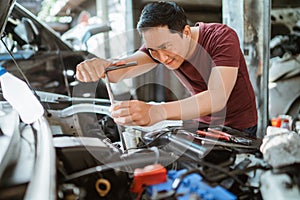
(206, 58)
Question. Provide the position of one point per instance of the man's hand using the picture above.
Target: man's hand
(137, 113)
(91, 70)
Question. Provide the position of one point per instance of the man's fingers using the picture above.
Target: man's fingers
(83, 75)
(120, 105)
(91, 70)
(131, 113)
(129, 120)
(93, 74)
(120, 113)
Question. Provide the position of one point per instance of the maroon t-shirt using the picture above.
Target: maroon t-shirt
(219, 46)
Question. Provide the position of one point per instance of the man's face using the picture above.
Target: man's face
(168, 48)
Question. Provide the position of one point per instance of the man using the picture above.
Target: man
(206, 58)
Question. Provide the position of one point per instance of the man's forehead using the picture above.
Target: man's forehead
(157, 30)
(156, 37)
(156, 44)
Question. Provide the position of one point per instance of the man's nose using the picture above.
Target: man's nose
(162, 57)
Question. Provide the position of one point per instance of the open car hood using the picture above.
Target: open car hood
(5, 9)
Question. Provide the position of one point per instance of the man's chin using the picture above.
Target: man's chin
(172, 67)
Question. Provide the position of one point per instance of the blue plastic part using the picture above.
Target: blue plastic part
(2, 70)
(190, 186)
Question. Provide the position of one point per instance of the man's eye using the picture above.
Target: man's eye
(151, 50)
(164, 47)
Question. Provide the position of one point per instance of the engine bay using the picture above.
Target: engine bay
(93, 158)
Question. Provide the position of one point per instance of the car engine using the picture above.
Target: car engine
(92, 158)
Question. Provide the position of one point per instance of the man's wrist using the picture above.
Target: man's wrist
(158, 112)
(170, 111)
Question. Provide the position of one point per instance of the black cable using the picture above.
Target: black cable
(109, 166)
(177, 182)
(24, 76)
(236, 172)
(64, 71)
(147, 145)
(221, 170)
(162, 133)
(18, 67)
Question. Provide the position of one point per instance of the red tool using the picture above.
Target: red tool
(232, 138)
(213, 135)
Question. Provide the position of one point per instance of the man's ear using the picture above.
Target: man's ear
(187, 31)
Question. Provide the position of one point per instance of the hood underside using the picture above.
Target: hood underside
(5, 9)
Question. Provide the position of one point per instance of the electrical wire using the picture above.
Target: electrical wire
(147, 145)
(17, 65)
(113, 165)
(236, 172)
(24, 76)
(64, 71)
(177, 182)
(220, 169)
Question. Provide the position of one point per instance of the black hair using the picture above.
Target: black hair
(162, 13)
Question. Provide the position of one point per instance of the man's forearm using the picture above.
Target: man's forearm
(192, 107)
(144, 64)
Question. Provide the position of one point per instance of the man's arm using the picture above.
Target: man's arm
(93, 69)
(220, 85)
